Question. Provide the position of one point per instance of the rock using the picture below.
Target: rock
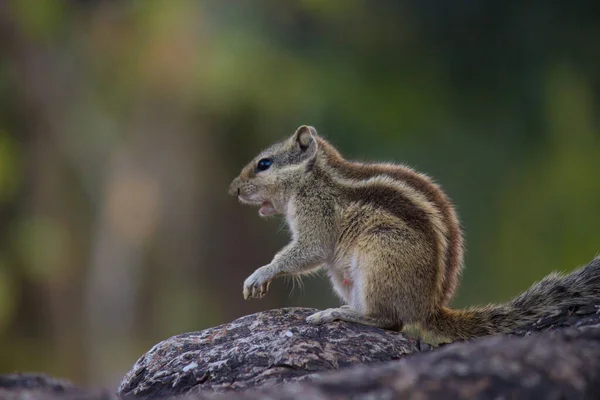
(556, 357)
(563, 364)
(267, 348)
(32, 386)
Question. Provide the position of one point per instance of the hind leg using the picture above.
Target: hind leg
(392, 279)
(353, 285)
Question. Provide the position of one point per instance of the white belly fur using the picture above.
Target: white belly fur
(346, 279)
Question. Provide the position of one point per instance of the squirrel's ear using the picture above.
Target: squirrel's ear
(304, 136)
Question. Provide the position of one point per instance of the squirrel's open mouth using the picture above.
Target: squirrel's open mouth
(267, 209)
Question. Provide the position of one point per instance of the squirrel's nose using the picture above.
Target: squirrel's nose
(234, 188)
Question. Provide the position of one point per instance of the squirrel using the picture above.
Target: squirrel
(388, 237)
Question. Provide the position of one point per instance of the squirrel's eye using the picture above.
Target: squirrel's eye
(264, 164)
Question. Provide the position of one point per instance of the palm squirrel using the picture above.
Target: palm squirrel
(389, 239)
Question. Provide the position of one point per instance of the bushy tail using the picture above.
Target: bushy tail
(553, 294)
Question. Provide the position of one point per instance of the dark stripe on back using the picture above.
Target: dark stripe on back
(393, 202)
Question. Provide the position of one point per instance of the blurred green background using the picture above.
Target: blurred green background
(123, 122)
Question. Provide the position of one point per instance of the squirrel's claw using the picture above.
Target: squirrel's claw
(257, 284)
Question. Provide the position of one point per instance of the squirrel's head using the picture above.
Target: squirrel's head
(269, 179)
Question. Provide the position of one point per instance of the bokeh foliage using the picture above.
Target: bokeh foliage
(122, 123)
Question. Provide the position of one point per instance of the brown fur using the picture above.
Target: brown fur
(389, 239)
(453, 262)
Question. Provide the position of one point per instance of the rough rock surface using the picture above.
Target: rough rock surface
(563, 364)
(39, 386)
(262, 349)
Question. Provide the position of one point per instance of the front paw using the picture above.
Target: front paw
(257, 284)
(323, 317)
